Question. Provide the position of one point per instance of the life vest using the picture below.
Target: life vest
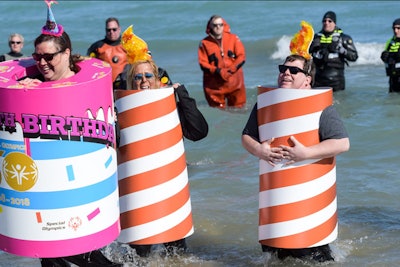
(393, 64)
(12, 56)
(333, 59)
(115, 56)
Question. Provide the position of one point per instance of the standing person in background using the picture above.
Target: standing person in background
(297, 73)
(331, 50)
(221, 58)
(391, 58)
(110, 50)
(16, 43)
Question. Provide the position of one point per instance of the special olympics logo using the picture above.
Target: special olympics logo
(20, 171)
(75, 223)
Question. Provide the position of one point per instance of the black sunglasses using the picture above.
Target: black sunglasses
(140, 76)
(292, 69)
(218, 24)
(15, 42)
(46, 57)
(112, 29)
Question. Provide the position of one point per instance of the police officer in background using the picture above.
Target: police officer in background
(391, 58)
(331, 50)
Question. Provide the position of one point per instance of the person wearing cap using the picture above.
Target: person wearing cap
(391, 57)
(110, 50)
(297, 72)
(221, 56)
(16, 43)
(331, 50)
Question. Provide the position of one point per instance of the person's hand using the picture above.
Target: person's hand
(225, 74)
(341, 49)
(270, 154)
(295, 153)
(29, 82)
(385, 56)
(232, 69)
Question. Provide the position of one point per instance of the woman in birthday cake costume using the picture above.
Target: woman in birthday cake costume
(296, 135)
(54, 60)
(154, 192)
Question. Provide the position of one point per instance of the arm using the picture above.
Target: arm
(262, 150)
(325, 149)
(203, 58)
(194, 125)
(240, 55)
(350, 49)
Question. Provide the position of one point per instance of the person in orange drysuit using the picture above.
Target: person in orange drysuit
(221, 58)
(110, 50)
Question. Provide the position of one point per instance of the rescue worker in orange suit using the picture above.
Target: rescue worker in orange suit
(110, 50)
(221, 58)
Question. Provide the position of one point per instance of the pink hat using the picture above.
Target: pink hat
(51, 27)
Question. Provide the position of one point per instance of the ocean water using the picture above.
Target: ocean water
(223, 176)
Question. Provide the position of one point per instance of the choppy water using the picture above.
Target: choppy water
(223, 176)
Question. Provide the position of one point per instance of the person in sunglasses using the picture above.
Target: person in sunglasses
(331, 50)
(144, 75)
(110, 50)
(297, 73)
(391, 57)
(221, 57)
(16, 43)
(55, 61)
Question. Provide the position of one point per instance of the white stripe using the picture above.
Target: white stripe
(289, 126)
(330, 238)
(277, 96)
(296, 193)
(296, 226)
(151, 162)
(265, 167)
(156, 227)
(149, 128)
(154, 194)
(141, 98)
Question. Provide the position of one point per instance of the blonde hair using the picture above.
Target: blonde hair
(131, 71)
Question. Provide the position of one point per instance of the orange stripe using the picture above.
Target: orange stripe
(297, 175)
(298, 209)
(178, 232)
(38, 217)
(147, 112)
(149, 145)
(152, 177)
(308, 138)
(155, 211)
(293, 108)
(304, 239)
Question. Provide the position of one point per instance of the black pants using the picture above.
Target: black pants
(320, 254)
(394, 84)
(174, 247)
(90, 259)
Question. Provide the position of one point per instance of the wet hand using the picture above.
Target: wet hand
(293, 154)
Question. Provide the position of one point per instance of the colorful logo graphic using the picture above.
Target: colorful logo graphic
(20, 171)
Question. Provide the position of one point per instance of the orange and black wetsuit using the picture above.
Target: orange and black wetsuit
(221, 62)
(112, 53)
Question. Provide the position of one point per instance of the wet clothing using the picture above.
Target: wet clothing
(113, 53)
(331, 51)
(11, 56)
(90, 259)
(330, 127)
(221, 62)
(391, 57)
